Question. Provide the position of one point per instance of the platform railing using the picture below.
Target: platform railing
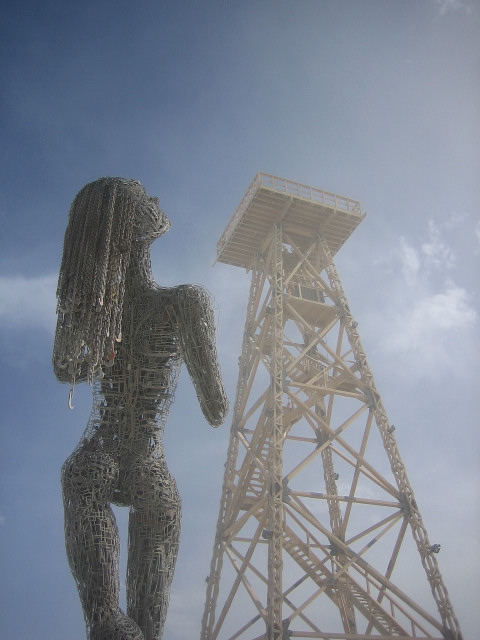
(308, 193)
(282, 185)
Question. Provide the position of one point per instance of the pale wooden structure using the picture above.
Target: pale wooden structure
(316, 505)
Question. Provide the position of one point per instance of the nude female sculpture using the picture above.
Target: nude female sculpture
(128, 336)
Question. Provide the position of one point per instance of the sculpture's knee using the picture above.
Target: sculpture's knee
(89, 476)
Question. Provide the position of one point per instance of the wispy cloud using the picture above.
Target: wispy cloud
(28, 301)
(437, 254)
(430, 317)
(422, 260)
(420, 331)
(409, 260)
(445, 6)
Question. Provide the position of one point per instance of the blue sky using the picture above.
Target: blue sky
(377, 100)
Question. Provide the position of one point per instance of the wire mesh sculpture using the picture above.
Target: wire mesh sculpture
(121, 332)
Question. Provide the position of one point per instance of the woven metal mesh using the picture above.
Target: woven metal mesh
(127, 336)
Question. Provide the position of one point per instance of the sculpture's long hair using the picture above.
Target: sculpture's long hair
(107, 218)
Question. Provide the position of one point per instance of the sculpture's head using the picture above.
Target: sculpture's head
(149, 221)
(111, 225)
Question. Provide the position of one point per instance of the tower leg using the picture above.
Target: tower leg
(275, 457)
(411, 510)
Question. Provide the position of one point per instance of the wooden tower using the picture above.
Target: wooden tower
(318, 523)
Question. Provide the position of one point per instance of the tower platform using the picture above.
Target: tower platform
(305, 212)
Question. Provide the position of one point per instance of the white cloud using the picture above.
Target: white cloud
(421, 330)
(429, 318)
(444, 6)
(436, 251)
(445, 311)
(433, 255)
(28, 302)
(455, 220)
(410, 261)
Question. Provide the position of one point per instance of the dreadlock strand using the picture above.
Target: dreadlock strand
(91, 283)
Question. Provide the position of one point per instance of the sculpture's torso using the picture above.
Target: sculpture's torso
(133, 398)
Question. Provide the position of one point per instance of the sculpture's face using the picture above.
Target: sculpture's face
(150, 221)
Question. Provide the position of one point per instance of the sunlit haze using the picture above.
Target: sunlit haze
(375, 100)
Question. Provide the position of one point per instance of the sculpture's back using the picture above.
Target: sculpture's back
(117, 327)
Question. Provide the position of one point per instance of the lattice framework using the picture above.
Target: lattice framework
(316, 503)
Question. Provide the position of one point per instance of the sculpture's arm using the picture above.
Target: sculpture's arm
(196, 331)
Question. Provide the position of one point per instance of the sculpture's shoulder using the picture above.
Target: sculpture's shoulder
(177, 307)
(179, 292)
(191, 294)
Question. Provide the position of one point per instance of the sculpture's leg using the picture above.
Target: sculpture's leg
(154, 531)
(91, 535)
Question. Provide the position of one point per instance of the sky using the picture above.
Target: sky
(377, 100)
